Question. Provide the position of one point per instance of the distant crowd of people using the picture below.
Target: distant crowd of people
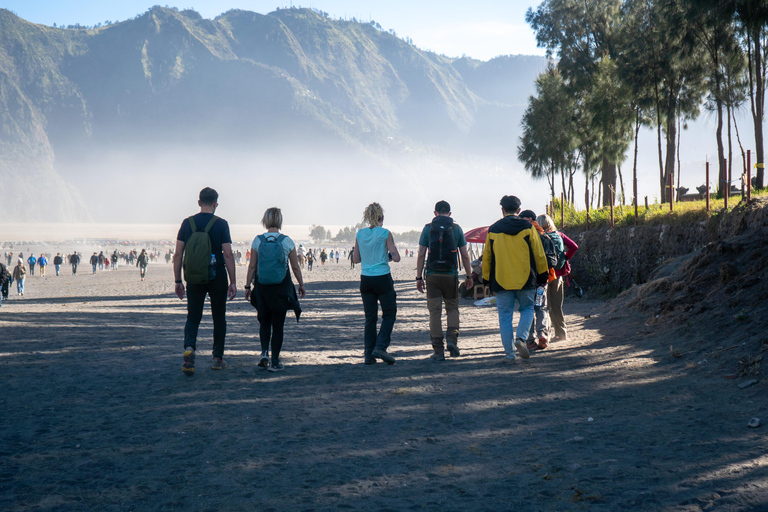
(524, 262)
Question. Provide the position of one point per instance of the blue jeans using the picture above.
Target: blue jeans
(20, 285)
(505, 303)
(58, 268)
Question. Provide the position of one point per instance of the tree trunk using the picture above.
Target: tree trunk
(608, 178)
(730, 143)
(722, 175)
(738, 140)
(669, 163)
(760, 108)
(634, 164)
(621, 184)
(658, 140)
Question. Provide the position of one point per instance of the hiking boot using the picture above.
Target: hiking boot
(437, 356)
(522, 349)
(543, 343)
(453, 349)
(264, 359)
(382, 354)
(276, 367)
(532, 345)
(370, 360)
(189, 362)
(217, 363)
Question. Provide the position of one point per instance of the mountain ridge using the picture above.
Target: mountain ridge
(170, 77)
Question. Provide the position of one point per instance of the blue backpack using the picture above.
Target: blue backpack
(272, 265)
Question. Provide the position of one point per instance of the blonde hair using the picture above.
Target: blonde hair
(373, 214)
(273, 218)
(546, 222)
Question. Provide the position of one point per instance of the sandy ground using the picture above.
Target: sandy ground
(97, 415)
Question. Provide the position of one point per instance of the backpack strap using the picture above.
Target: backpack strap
(211, 223)
(192, 223)
(262, 238)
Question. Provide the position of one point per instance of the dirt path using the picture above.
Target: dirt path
(98, 416)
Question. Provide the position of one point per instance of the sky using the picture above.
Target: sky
(482, 29)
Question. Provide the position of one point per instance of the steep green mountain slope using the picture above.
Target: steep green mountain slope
(171, 79)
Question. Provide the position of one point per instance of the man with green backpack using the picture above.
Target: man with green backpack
(204, 252)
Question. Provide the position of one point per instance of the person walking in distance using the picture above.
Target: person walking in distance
(42, 262)
(204, 252)
(57, 261)
(19, 275)
(374, 246)
(94, 262)
(74, 260)
(142, 261)
(32, 262)
(440, 244)
(514, 264)
(274, 293)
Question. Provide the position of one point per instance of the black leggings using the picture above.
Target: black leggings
(271, 326)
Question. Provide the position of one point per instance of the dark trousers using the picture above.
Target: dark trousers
(375, 290)
(271, 325)
(217, 291)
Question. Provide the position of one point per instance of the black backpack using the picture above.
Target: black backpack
(549, 250)
(442, 245)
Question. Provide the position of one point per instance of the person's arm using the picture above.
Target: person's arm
(179, 288)
(420, 268)
(249, 275)
(487, 256)
(229, 261)
(539, 258)
(468, 282)
(570, 246)
(392, 248)
(297, 272)
(356, 253)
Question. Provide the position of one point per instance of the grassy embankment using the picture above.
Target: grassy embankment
(684, 212)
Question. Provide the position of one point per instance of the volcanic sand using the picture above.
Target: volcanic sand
(97, 414)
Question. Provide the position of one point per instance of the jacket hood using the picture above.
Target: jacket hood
(510, 225)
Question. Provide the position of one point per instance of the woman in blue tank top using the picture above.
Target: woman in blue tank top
(374, 246)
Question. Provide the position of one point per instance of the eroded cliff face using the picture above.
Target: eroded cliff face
(612, 260)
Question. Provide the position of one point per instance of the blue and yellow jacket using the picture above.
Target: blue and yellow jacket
(513, 258)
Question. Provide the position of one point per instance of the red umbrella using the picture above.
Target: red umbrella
(477, 235)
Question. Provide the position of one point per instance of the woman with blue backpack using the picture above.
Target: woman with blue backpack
(556, 288)
(374, 248)
(273, 293)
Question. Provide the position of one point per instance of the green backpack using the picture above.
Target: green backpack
(197, 254)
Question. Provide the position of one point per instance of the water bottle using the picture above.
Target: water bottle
(212, 268)
(539, 302)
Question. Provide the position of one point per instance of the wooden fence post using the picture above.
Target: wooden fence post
(706, 183)
(646, 203)
(727, 186)
(586, 196)
(749, 176)
(611, 207)
(671, 191)
(562, 210)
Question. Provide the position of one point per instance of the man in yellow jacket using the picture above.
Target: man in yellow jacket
(514, 264)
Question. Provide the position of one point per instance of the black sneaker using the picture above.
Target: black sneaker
(189, 362)
(453, 349)
(382, 354)
(275, 367)
(264, 360)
